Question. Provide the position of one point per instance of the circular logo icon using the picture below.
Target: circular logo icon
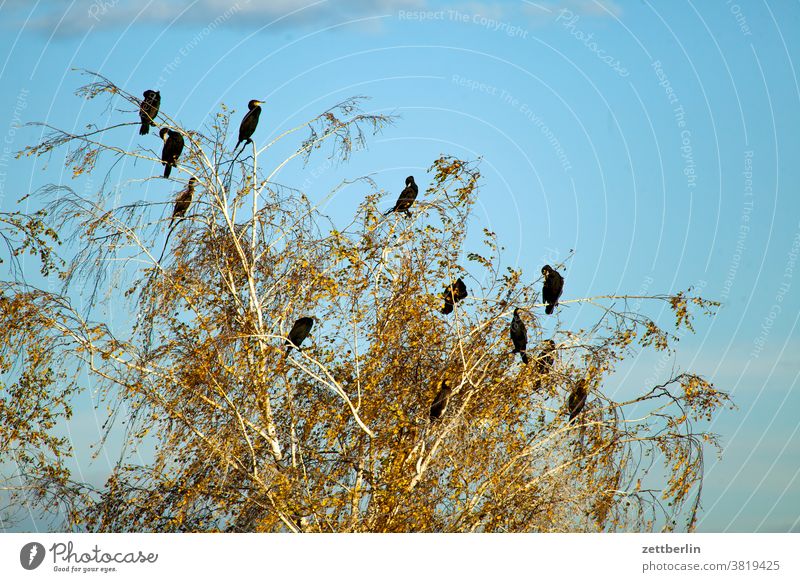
(31, 555)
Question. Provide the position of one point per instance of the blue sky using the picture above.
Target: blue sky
(657, 140)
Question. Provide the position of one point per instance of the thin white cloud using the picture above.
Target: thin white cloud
(54, 16)
(76, 18)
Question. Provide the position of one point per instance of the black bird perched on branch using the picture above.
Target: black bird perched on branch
(300, 330)
(577, 399)
(454, 293)
(249, 123)
(545, 360)
(148, 110)
(440, 401)
(407, 197)
(546, 357)
(552, 288)
(182, 203)
(519, 335)
(183, 200)
(173, 146)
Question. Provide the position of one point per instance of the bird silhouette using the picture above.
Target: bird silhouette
(545, 360)
(552, 288)
(148, 110)
(173, 146)
(577, 399)
(249, 123)
(183, 200)
(407, 197)
(300, 330)
(519, 336)
(453, 293)
(440, 401)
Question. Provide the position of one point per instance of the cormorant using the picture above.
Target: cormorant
(183, 200)
(552, 288)
(519, 335)
(545, 359)
(440, 401)
(173, 146)
(249, 123)
(454, 293)
(148, 110)
(407, 197)
(577, 399)
(300, 330)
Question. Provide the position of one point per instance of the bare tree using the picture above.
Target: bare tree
(239, 434)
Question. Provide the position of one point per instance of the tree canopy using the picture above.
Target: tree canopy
(227, 430)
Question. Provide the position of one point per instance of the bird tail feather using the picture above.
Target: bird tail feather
(549, 309)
